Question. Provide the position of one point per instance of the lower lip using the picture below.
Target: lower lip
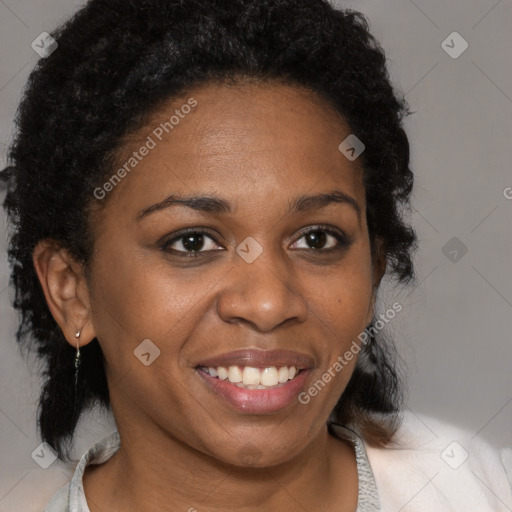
(257, 401)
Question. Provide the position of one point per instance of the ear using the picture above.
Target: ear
(65, 289)
(379, 264)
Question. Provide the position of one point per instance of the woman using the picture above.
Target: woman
(206, 196)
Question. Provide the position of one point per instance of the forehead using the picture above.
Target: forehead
(249, 118)
(240, 142)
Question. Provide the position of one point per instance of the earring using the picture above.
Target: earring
(77, 357)
(77, 362)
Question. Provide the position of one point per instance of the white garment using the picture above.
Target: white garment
(437, 467)
(431, 467)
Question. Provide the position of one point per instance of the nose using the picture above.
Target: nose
(262, 294)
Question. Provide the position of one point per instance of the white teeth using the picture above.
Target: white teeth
(251, 376)
(269, 376)
(282, 374)
(254, 378)
(234, 374)
(222, 373)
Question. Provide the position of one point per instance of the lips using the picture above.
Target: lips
(260, 359)
(256, 401)
(283, 375)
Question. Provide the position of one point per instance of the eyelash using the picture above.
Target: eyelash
(343, 241)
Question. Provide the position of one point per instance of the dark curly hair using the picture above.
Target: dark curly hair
(116, 62)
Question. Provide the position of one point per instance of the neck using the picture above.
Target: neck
(179, 477)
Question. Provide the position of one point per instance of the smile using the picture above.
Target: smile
(248, 377)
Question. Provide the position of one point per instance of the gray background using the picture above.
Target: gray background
(454, 332)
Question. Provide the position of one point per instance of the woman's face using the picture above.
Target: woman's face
(280, 271)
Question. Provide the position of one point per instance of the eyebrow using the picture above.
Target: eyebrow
(217, 205)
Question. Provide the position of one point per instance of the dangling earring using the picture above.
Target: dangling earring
(77, 363)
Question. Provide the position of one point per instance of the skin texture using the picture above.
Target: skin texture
(258, 147)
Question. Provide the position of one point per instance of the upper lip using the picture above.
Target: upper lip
(260, 359)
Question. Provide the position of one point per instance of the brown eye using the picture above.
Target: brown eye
(322, 240)
(316, 239)
(192, 243)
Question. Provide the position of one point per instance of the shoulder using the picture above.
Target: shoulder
(433, 463)
(35, 490)
(70, 495)
(60, 501)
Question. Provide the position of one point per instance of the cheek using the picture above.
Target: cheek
(343, 302)
(143, 315)
(140, 298)
(342, 313)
